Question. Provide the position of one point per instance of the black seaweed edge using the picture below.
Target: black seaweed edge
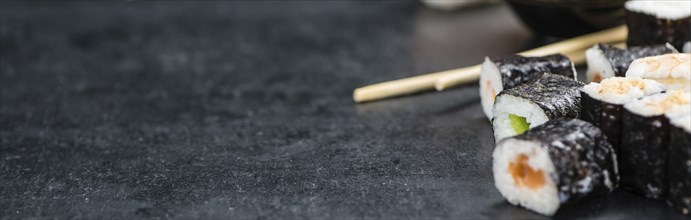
(516, 69)
(621, 59)
(557, 96)
(591, 147)
(641, 144)
(607, 116)
(679, 173)
(645, 29)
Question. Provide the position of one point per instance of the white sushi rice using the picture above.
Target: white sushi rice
(682, 122)
(490, 86)
(673, 70)
(659, 104)
(545, 199)
(670, 9)
(620, 90)
(679, 116)
(599, 66)
(508, 104)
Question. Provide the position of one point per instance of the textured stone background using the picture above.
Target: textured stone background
(243, 110)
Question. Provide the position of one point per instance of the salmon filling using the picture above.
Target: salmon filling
(597, 78)
(491, 89)
(524, 175)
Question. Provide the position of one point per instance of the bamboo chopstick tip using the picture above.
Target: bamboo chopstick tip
(440, 85)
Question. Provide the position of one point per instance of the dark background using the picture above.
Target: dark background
(244, 110)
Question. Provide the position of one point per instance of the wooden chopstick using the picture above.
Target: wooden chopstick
(572, 48)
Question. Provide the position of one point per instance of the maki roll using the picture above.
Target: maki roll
(679, 163)
(606, 61)
(673, 70)
(558, 163)
(658, 22)
(534, 103)
(507, 72)
(602, 103)
(644, 146)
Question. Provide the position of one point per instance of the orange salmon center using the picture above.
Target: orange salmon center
(597, 77)
(489, 87)
(524, 175)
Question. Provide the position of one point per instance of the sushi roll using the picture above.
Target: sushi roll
(558, 163)
(644, 146)
(602, 103)
(679, 163)
(606, 61)
(534, 103)
(673, 70)
(658, 22)
(507, 72)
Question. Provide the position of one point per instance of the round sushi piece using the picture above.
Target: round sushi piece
(602, 103)
(500, 73)
(644, 152)
(605, 61)
(679, 163)
(558, 163)
(534, 103)
(673, 70)
(657, 22)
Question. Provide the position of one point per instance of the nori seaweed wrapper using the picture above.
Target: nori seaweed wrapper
(679, 170)
(606, 116)
(517, 69)
(643, 154)
(645, 29)
(579, 151)
(558, 96)
(620, 59)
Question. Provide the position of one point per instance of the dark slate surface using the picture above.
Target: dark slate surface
(243, 110)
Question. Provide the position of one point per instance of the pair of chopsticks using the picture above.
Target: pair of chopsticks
(573, 48)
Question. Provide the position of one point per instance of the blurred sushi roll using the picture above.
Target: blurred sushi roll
(673, 70)
(644, 152)
(500, 73)
(602, 103)
(558, 163)
(657, 22)
(679, 163)
(605, 61)
(535, 102)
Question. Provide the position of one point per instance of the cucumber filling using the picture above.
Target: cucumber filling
(518, 123)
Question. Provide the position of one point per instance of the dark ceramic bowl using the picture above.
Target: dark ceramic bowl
(569, 18)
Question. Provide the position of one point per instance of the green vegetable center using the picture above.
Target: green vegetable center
(519, 123)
